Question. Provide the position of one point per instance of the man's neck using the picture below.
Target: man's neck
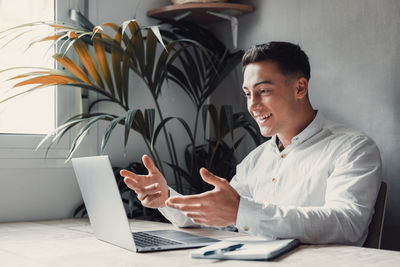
(285, 139)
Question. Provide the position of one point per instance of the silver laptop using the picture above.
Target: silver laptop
(107, 214)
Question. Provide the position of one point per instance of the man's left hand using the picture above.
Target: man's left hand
(217, 207)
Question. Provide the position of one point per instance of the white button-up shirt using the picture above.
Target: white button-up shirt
(320, 189)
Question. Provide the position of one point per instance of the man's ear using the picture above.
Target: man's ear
(301, 87)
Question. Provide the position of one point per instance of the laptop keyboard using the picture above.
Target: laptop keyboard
(147, 240)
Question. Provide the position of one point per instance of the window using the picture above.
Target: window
(32, 113)
(17, 139)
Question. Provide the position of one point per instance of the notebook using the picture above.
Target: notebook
(107, 214)
(246, 249)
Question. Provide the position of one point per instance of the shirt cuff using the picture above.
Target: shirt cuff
(176, 217)
(167, 211)
(243, 215)
(249, 217)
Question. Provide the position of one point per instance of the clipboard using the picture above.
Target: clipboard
(249, 250)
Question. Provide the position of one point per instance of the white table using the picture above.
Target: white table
(71, 243)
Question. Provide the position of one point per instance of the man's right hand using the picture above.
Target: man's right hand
(151, 189)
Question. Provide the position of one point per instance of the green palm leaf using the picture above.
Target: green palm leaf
(151, 46)
(149, 120)
(108, 131)
(226, 120)
(125, 73)
(116, 63)
(163, 122)
(58, 132)
(137, 40)
(83, 132)
(214, 117)
(129, 119)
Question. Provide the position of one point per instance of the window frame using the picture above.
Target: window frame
(18, 150)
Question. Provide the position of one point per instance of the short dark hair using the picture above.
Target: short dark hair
(290, 58)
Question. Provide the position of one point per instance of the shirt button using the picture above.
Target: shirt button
(283, 156)
(246, 228)
(273, 180)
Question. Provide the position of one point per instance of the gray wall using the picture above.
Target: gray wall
(355, 70)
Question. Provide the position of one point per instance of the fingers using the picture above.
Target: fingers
(199, 218)
(149, 192)
(132, 180)
(187, 207)
(151, 201)
(194, 211)
(211, 179)
(131, 183)
(126, 173)
(146, 190)
(150, 198)
(194, 215)
(149, 164)
(192, 199)
(150, 189)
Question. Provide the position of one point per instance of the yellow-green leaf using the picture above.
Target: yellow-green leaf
(103, 62)
(45, 80)
(88, 62)
(73, 68)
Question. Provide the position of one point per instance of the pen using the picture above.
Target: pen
(223, 250)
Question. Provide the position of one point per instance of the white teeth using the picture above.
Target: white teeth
(265, 116)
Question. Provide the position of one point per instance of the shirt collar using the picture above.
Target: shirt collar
(314, 127)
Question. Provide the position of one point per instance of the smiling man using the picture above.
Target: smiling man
(314, 180)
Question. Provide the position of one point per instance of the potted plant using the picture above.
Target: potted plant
(183, 53)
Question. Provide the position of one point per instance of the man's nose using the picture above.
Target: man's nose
(253, 102)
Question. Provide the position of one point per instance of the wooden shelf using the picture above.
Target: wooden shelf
(199, 13)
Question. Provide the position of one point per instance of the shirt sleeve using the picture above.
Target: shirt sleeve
(176, 217)
(242, 187)
(352, 188)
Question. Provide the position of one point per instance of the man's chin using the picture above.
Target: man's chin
(267, 132)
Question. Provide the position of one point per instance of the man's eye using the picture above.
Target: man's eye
(264, 91)
(247, 95)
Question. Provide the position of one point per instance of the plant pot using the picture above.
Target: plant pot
(178, 2)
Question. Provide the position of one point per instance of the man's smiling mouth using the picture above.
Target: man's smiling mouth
(263, 118)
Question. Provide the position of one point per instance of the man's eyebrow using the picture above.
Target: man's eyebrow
(262, 82)
(258, 83)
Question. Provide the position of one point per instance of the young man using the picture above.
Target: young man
(314, 180)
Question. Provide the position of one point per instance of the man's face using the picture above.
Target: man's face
(270, 97)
